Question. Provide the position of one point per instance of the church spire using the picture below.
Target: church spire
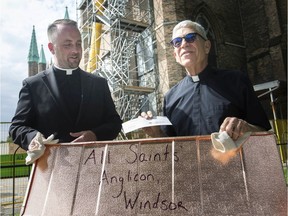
(42, 60)
(33, 55)
(66, 16)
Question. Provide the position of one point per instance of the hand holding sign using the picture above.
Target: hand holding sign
(148, 123)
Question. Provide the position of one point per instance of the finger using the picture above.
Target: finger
(54, 141)
(49, 139)
(143, 114)
(238, 129)
(230, 126)
(224, 124)
(76, 134)
(235, 133)
(149, 113)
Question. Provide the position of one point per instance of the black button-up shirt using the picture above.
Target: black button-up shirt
(200, 107)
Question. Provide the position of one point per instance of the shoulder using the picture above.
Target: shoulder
(178, 86)
(94, 81)
(37, 77)
(92, 76)
(231, 74)
(233, 77)
(234, 82)
(228, 74)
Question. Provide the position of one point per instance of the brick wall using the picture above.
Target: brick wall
(248, 35)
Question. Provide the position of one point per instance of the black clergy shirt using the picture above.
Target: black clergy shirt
(70, 89)
(199, 107)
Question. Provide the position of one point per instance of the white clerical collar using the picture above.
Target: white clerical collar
(195, 78)
(68, 71)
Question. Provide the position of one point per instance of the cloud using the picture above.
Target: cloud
(17, 19)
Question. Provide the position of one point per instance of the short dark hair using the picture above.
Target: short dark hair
(52, 28)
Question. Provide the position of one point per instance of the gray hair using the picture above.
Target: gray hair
(192, 25)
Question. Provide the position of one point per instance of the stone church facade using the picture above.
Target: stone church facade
(249, 35)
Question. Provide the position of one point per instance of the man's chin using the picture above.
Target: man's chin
(187, 63)
(74, 64)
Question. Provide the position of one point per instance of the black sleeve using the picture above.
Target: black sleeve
(112, 124)
(21, 129)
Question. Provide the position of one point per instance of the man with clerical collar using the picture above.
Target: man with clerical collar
(63, 103)
(207, 100)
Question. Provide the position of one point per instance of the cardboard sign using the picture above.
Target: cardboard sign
(171, 176)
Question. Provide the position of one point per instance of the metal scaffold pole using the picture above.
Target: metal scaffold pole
(118, 45)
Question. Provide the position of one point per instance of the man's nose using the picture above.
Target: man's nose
(183, 43)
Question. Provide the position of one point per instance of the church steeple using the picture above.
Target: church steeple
(42, 60)
(33, 56)
(66, 16)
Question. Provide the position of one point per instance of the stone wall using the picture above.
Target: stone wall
(249, 35)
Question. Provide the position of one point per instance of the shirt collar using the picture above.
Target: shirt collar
(195, 78)
(69, 71)
(203, 75)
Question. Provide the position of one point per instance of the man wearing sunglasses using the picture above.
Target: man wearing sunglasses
(207, 100)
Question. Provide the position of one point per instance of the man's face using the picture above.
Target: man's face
(66, 47)
(191, 55)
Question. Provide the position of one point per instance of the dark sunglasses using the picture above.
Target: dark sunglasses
(189, 38)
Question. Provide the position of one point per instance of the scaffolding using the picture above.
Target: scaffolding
(119, 43)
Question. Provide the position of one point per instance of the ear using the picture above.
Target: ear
(51, 47)
(207, 46)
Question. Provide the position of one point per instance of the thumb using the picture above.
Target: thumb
(50, 140)
(76, 134)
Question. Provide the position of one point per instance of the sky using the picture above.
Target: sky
(17, 18)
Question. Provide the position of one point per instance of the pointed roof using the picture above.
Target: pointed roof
(50, 63)
(42, 59)
(33, 55)
(66, 16)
